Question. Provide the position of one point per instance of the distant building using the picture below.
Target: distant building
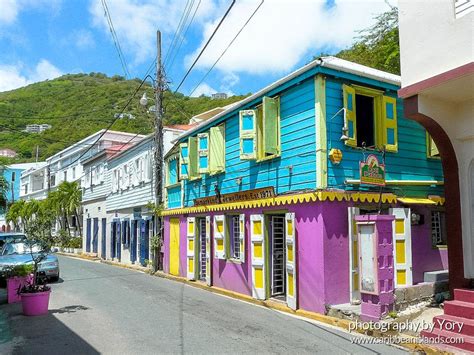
(37, 128)
(8, 153)
(11, 174)
(219, 96)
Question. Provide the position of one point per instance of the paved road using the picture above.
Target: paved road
(99, 308)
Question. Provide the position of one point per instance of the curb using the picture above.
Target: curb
(333, 321)
(78, 256)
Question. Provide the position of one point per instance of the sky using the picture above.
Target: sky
(44, 39)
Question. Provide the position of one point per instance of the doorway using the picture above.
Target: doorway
(174, 246)
(201, 223)
(277, 239)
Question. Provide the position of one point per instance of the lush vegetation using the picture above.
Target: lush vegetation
(377, 46)
(77, 105)
(37, 218)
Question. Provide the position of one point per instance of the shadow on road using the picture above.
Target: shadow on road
(44, 334)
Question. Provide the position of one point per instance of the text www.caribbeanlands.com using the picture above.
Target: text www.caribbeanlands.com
(402, 340)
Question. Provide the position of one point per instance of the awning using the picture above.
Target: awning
(416, 201)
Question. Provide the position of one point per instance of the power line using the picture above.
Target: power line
(183, 36)
(115, 39)
(205, 46)
(176, 33)
(228, 46)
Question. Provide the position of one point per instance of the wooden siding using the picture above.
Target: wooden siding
(409, 163)
(96, 191)
(134, 196)
(298, 152)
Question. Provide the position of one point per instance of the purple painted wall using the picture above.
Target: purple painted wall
(425, 257)
(322, 254)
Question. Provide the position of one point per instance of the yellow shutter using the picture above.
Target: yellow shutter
(271, 127)
(389, 117)
(351, 119)
(431, 148)
(217, 149)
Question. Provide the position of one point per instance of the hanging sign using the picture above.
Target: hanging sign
(371, 172)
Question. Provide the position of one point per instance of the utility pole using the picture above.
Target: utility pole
(158, 148)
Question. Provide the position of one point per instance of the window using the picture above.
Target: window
(260, 131)
(13, 176)
(438, 228)
(26, 189)
(52, 180)
(184, 161)
(73, 173)
(371, 118)
(431, 148)
(65, 175)
(234, 232)
(235, 237)
(172, 176)
(203, 154)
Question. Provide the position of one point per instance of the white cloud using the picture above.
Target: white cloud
(203, 89)
(136, 23)
(83, 39)
(15, 76)
(9, 11)
(283, 32)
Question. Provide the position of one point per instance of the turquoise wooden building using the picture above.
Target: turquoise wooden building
(261, 198)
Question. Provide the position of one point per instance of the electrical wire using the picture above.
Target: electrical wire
(178, 28)
(183, 37)
(115, 39)
(228, 46)
(205, 46)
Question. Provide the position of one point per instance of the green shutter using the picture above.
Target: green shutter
(203, 150)
(193, 157)
(389, 117)
(351, 119)
(431, 148)
(217, 149)
(248, 137)
(271, 127)
(184, 161)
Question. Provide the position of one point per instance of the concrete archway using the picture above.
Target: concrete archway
(451, 187)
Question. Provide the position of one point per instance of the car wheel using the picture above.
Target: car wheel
(54, 279)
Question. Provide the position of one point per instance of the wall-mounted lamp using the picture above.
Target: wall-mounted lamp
(345, 130)
(290, 168)
(238, 181)
(417, 219)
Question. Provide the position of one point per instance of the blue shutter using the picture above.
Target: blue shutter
(104, 236)
(88, 235)
(118, 240)
(95, 239)
(113, 233)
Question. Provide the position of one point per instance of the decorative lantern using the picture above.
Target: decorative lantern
(335, 156)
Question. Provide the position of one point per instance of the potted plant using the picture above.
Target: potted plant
(17, 276)
(35, 294)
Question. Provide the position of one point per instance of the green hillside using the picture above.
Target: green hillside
(78, 105)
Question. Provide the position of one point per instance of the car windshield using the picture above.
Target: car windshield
(20, 248)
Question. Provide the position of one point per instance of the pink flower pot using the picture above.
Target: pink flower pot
(35, 304)
(13, 285)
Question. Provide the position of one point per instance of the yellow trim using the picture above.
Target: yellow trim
(438, 199)
(416, 201)
(288, 200)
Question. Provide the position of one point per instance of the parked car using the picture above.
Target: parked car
(8, 237)
(19, 252)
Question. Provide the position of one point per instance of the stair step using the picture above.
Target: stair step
(467, 344)
(459, 309)
(447, 322)
(464, 295)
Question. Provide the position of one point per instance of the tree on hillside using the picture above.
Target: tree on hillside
(377, 46)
